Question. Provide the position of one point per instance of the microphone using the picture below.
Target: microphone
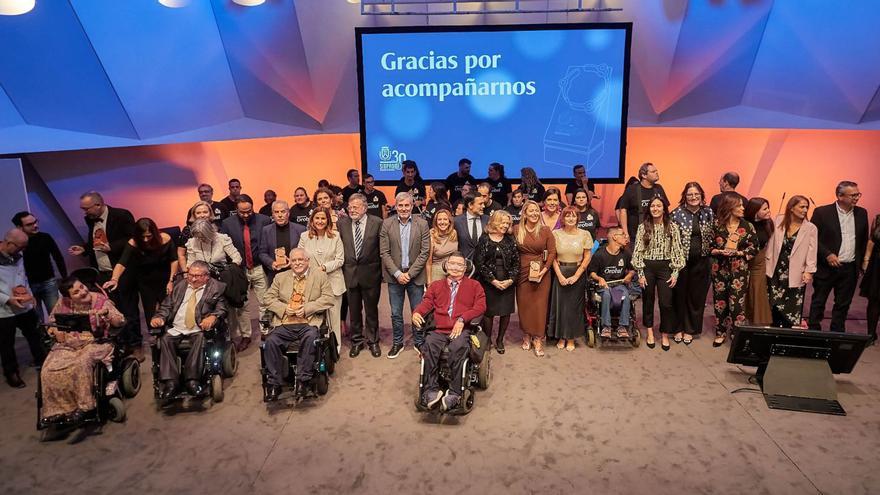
(781, 202)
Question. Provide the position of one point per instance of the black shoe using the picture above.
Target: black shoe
(76, 417)
(355, 350)
(499, 346)
(395, 351)
(14, 380)
(168, 389)
(195, 388)
(273, 392)
(375, 350)
(665, 347)
(677, 340)
(650, 344)
(305, 390)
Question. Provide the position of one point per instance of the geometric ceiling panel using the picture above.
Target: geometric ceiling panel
(78, 74)
(163, 62)
(51, 73)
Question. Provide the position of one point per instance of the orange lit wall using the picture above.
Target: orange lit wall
(160, 181)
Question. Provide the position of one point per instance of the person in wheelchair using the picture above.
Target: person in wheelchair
(67, 374)
(612, 263)
(297, 300)
(456, 301)
(195, 305)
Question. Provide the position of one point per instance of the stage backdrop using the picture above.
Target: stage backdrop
(160, 181)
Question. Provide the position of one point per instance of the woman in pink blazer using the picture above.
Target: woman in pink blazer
(791, 263)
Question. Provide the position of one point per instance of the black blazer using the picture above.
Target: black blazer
(120, 228)
(365, 271)
(465, 244)
(825, 219)
(212, 302)
(269, 241)
(233, 227)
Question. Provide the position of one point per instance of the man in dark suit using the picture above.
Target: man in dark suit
(245, 228)
(362, 270)
(843, 237)
(455, 301)
(194, 306)
(470, 225)
(404, 242)
(109, 230)
(277, 236)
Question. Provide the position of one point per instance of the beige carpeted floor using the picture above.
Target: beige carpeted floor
(591, 421)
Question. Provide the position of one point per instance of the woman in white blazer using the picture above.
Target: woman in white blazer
(791, 263)
(326, 254)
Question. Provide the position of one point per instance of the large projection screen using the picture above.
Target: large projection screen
(546, 96)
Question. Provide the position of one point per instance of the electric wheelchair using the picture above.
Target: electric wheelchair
(220, 361)
(593, 311)
(325, 360)
(475, 372)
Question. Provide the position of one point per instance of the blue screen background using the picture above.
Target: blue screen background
(574, 115)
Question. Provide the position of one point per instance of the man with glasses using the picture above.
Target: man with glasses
(38, 256)
(376, 201)
(456, 301)
(843, 238)
(206, 194)
(194, 306)
(16, 307)
(297, 299)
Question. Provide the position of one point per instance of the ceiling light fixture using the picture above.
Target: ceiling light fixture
(16, 7)
(249, 3)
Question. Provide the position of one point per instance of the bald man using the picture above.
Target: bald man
(16, 307)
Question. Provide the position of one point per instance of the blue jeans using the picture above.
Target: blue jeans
(396, 293)
(47, 293)
(606, 308)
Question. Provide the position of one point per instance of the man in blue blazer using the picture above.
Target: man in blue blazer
(470, 225)
(280, 234)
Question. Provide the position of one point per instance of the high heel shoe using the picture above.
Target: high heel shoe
(665, 347)
(717, 343)
(650, 344)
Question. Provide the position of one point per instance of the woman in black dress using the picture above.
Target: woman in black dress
(870, 287)
(497, 263)
(153, 257)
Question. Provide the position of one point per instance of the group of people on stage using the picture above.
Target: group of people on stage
(531, 249)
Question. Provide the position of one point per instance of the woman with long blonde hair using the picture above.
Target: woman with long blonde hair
(537, 252)
(444, 242)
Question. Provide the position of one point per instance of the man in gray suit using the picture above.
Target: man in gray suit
(404, 242)
(470, 225)
(193, 307)
(362, 270)
(278, 235)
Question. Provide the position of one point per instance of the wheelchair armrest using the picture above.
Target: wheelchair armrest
(157, 331)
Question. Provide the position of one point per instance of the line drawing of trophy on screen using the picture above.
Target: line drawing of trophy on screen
(576, 131)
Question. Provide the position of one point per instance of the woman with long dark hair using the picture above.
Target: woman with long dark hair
(153, 257)
(657, 258)
(757, 305)
(733, 245)
(439, 200)
(531, 185)
(791, 263)
(588, 217)
(694, 220)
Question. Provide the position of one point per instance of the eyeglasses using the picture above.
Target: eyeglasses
(854, 195)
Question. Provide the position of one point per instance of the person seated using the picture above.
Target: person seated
(456, 301)
(67, 373)
(297, 300)
(194, 306)
(613, 263)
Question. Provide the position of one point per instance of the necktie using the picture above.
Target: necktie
(248, 255)
(474, 229)
(189, 320)
(358, 239)
(452, 296)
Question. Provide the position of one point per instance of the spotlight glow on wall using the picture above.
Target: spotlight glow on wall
(174, 4)
(249, 3)
(16, 7)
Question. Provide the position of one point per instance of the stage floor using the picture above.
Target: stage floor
(608, 421)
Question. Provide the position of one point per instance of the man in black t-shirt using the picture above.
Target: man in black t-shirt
(611, 264)
(206, 194)
(490, 205)
(353, 186)
(727, 184)
(230, 202)
(269, 197)
(501, 188)
(455, 181)
(580, 181)
(413, 184)
(41, 250)
(635, 199)
(517, 198)
(376, 201)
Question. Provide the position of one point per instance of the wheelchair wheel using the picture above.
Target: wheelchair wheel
(591, 338)
(131, 377)
(229, 366)
(217, 388)
(483, 373)
(636, 339)
(322, 383)
(117, 410)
